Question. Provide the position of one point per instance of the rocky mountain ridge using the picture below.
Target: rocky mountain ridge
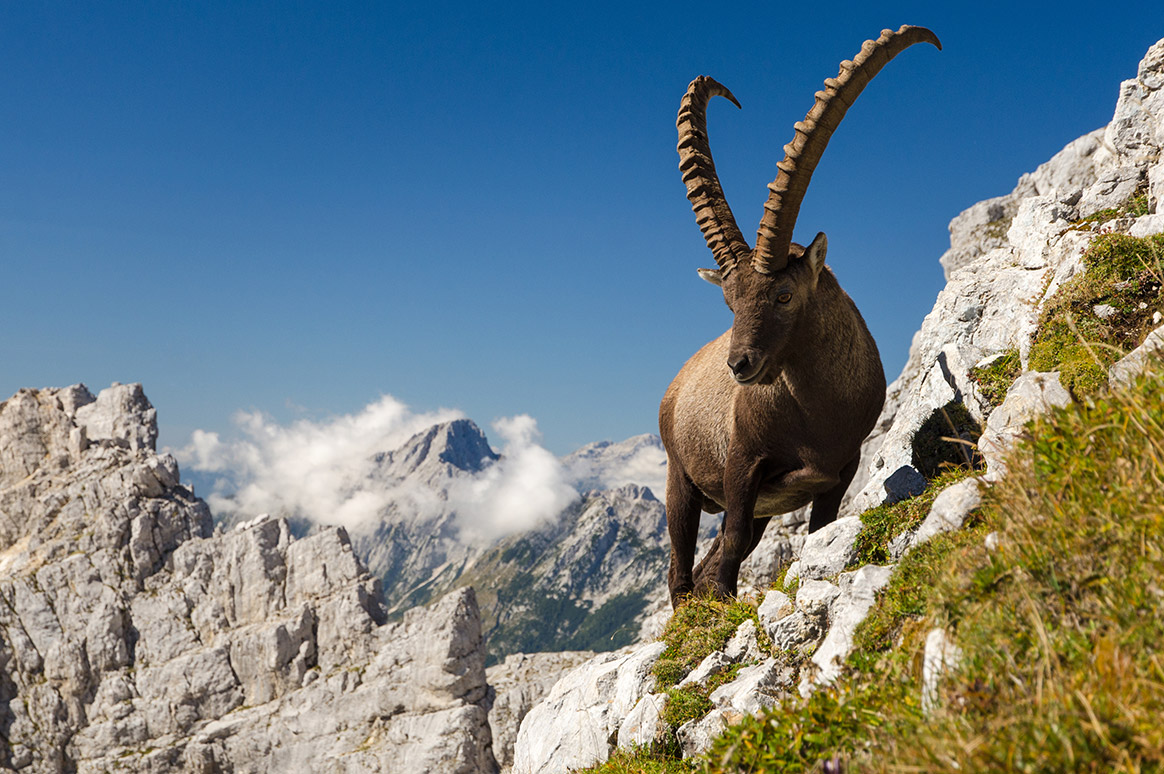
(133, 637)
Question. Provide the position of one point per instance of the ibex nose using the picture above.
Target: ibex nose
(740, 364)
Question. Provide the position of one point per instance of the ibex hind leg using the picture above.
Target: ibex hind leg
(708, 567)
(684, 503)
(826, 504)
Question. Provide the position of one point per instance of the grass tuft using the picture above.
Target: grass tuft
(701, 625)
(996, 377)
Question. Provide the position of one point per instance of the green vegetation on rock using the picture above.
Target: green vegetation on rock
(701, 625)
(885, 522)
(1060, 627)
(996, 377)
(1101, 313)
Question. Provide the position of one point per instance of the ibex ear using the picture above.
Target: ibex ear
(714, 276)
(815, 254)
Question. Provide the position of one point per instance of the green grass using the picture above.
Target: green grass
(885, 522)
(1061, 627)
(1122, 272)
(996, 377)
(701, 625)
(644, 760)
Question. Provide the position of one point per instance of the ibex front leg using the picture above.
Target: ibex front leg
(684, 504)
(741, 486)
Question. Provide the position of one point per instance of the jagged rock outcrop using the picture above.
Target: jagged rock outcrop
(132, 638)
(577, 723)
(515, 686)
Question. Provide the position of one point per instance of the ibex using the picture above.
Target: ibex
(770, 416)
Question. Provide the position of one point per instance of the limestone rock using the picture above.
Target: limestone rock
(716, 662)
(576, 724)
(826, 551)
(1139, 359)
(644, 725)
(846, 612)
(949, 510)
(744, 646)
(941, 655)
(515, 686)
(696, 736)
(755, 687)
(1032, 394)
(135, 639)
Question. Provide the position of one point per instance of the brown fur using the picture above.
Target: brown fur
(770, 416)
(790, 438)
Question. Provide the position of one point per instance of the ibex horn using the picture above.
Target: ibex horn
(703, 189)
(774, 236)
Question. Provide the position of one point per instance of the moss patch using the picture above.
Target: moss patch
(653, 759)
(1122, 278)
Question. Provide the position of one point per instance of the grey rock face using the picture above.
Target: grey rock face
(134, 639)
(644, 725)
(1032, 394)
(1140, 359)
(826, 551)
(949, 510)
(846, 612)
(516, 686)
(577, 724)
(942, 655)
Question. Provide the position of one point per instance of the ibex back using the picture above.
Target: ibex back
(770, 416)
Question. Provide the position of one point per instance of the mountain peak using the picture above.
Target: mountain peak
(459, 444)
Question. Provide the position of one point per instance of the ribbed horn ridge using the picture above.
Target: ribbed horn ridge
(703, 189)
(774, 236)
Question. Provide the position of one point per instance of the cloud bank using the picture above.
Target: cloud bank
(323, 471)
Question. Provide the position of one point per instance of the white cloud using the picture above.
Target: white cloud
(313, 469)
(640, 460)
(527, 486)
(321, 471)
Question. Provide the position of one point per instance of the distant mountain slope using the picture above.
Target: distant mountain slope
(579, 583)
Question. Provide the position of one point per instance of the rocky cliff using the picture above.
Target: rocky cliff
(134, 638)
(1015, 263)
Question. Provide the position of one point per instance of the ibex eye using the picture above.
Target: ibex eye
(784, 298)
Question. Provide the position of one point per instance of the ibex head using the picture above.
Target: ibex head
(768, 288)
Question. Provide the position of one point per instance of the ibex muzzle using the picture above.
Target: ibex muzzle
(770, 416)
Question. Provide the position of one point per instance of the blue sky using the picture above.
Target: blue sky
(298, 207)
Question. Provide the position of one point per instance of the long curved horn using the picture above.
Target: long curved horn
(812, 135)
(703, 189)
